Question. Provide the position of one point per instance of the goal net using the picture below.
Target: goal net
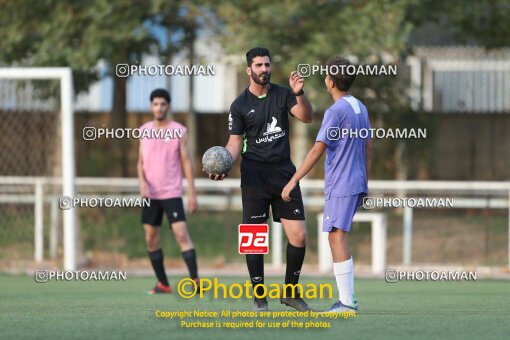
(36, 149)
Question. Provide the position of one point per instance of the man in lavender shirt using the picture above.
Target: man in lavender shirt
(348, 161)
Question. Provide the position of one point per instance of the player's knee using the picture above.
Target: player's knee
(333, 237)
(333, 243)
(182, 238)
(302, 236)
(337, 235)
(299, 238)
(179, 238)
(342, 235)
(152, 240)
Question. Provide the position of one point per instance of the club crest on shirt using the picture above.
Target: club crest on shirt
(272, 132)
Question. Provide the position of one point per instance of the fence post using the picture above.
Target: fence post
(38, 223)
(379, 241)
(53, 227)
(325, 258)
(407, 236)
(276, 244)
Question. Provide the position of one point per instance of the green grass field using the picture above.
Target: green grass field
(109, 310)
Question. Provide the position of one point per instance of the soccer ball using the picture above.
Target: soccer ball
(217, 160)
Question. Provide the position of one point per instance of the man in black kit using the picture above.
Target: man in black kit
(258, 125)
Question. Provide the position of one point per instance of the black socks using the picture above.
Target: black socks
(295, 258)
(255, 264)
(156, 257)
(157, 264)
(190, 257)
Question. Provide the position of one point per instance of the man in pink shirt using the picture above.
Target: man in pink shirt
(163, 152)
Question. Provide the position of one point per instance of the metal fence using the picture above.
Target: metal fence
(225, 197)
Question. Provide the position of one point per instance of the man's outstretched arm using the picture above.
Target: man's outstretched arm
(311, 159)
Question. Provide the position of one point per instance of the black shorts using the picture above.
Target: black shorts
(173, 208)
(261, 188)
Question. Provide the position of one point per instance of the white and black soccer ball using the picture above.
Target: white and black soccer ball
(217, 160)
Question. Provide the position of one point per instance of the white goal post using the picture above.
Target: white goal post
(379, 232)
(64, 75)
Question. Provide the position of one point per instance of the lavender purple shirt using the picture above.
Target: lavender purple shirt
(345, 165)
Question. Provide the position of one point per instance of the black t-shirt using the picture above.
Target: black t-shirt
(264, 124)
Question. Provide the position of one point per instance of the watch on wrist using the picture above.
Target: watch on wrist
(300, 93)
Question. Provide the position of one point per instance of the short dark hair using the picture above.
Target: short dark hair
(257, 52)
(160, 93)
(342, 80)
